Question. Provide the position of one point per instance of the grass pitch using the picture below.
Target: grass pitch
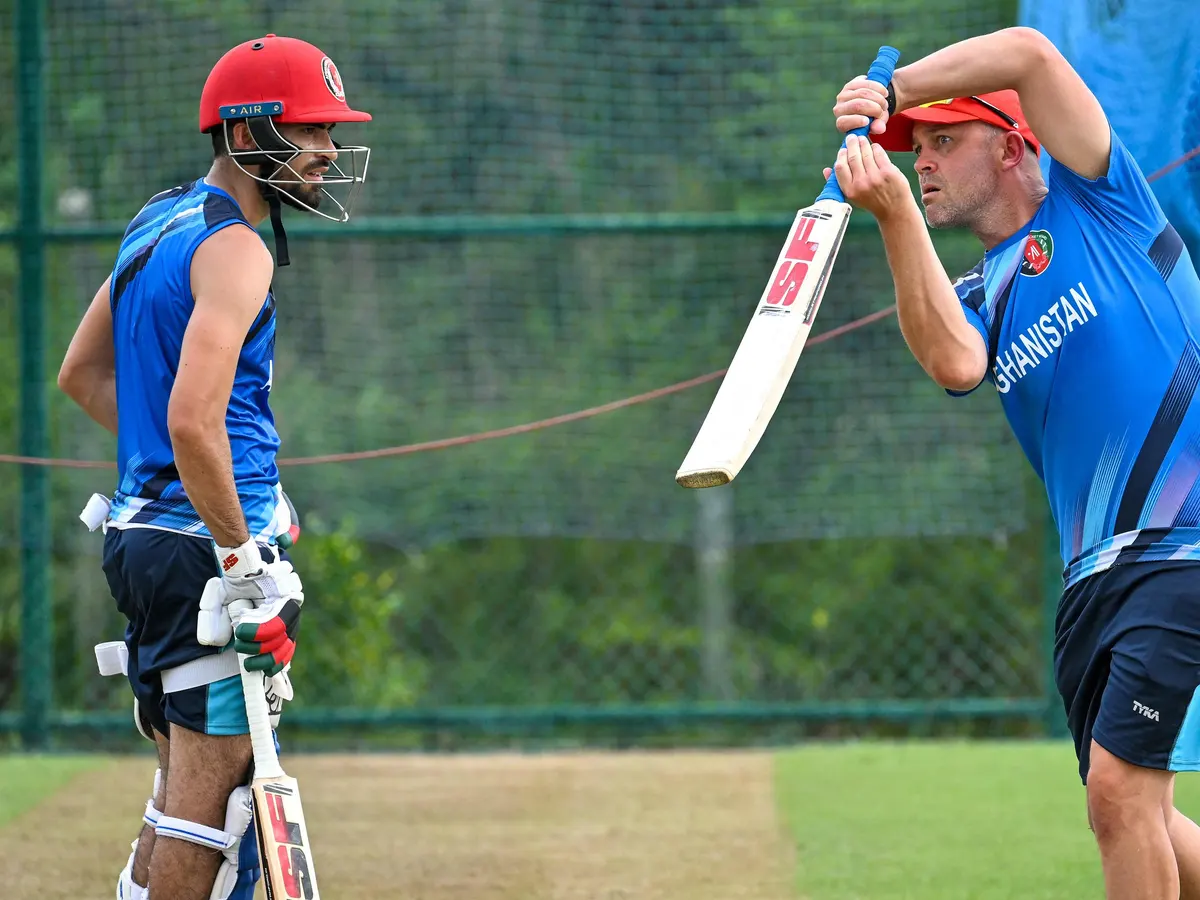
(27, 780)
(937, 821)
(824, 822)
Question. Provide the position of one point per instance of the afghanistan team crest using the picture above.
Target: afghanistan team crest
(1039, 248)
(333, 79)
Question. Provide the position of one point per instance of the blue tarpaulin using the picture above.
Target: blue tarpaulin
(1142, 60)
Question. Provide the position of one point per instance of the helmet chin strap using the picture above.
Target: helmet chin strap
(271, 142)
(271, 195)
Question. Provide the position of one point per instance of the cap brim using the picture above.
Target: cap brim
(898, 136)
(337, 114)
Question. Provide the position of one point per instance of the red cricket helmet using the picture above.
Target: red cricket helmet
(276, 81)
(287, 74)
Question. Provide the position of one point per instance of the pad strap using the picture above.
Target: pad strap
(205, 836)
(112, 658)
(152, 815)
(95, 513)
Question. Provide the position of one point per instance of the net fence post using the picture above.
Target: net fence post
(35, 664)
(714, 547)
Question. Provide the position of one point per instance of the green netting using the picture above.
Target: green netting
(557, 108)
(883, 542)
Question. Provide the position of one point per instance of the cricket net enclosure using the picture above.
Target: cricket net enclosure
(568, 204)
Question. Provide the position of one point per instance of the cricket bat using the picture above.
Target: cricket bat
(770, 349)
(283, 846)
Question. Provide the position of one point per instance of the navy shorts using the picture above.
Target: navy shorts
(1127, 664)
(157, 578)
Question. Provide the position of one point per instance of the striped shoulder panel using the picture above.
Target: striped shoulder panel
(970, 287)
(154, 207)
(146, 230)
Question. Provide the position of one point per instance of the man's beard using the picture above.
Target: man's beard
(300, 196)
(304, 195)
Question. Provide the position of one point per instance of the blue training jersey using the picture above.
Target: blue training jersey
(1091, 314)
(151, 301)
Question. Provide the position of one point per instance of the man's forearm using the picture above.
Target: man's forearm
(100, 400)
(999, 61)
(932, 321)
(205, 466)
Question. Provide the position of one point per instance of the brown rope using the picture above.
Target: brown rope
(460, 440)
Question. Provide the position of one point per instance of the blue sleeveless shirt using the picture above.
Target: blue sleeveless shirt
(151, 302)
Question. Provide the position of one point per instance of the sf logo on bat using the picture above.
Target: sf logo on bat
(792, 269)
(292, 854)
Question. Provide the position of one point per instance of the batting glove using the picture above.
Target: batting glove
(267, 635)
(246, 578)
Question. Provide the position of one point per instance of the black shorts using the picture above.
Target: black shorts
(1127, 664)
(157, 578)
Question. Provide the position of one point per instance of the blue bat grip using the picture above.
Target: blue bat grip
(881, 72)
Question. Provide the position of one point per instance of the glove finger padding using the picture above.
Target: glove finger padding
(271, 664)
(213, 627)
(268, 636)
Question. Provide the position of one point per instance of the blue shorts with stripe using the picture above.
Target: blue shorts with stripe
(157, 578)
(1127, 664)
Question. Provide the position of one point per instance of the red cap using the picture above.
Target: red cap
(999, 108)
(275, 73)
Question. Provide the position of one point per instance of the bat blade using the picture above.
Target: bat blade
(770, 348)
(775, 338)
(283, 844)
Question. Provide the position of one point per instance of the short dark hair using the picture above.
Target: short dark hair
(219, 144)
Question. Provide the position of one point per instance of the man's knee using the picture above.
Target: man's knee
(208, 809)
(1121, 795)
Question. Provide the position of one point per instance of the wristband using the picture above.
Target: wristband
(891, 99)
(241, 560)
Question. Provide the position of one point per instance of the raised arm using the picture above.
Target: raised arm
(1060, 108)
(230, 278)
(88, 374)
(949, 348)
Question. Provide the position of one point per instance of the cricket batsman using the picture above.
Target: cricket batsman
(1083, 315)
(175, 356)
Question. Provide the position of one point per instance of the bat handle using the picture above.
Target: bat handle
(881, 72)
(258, 712)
